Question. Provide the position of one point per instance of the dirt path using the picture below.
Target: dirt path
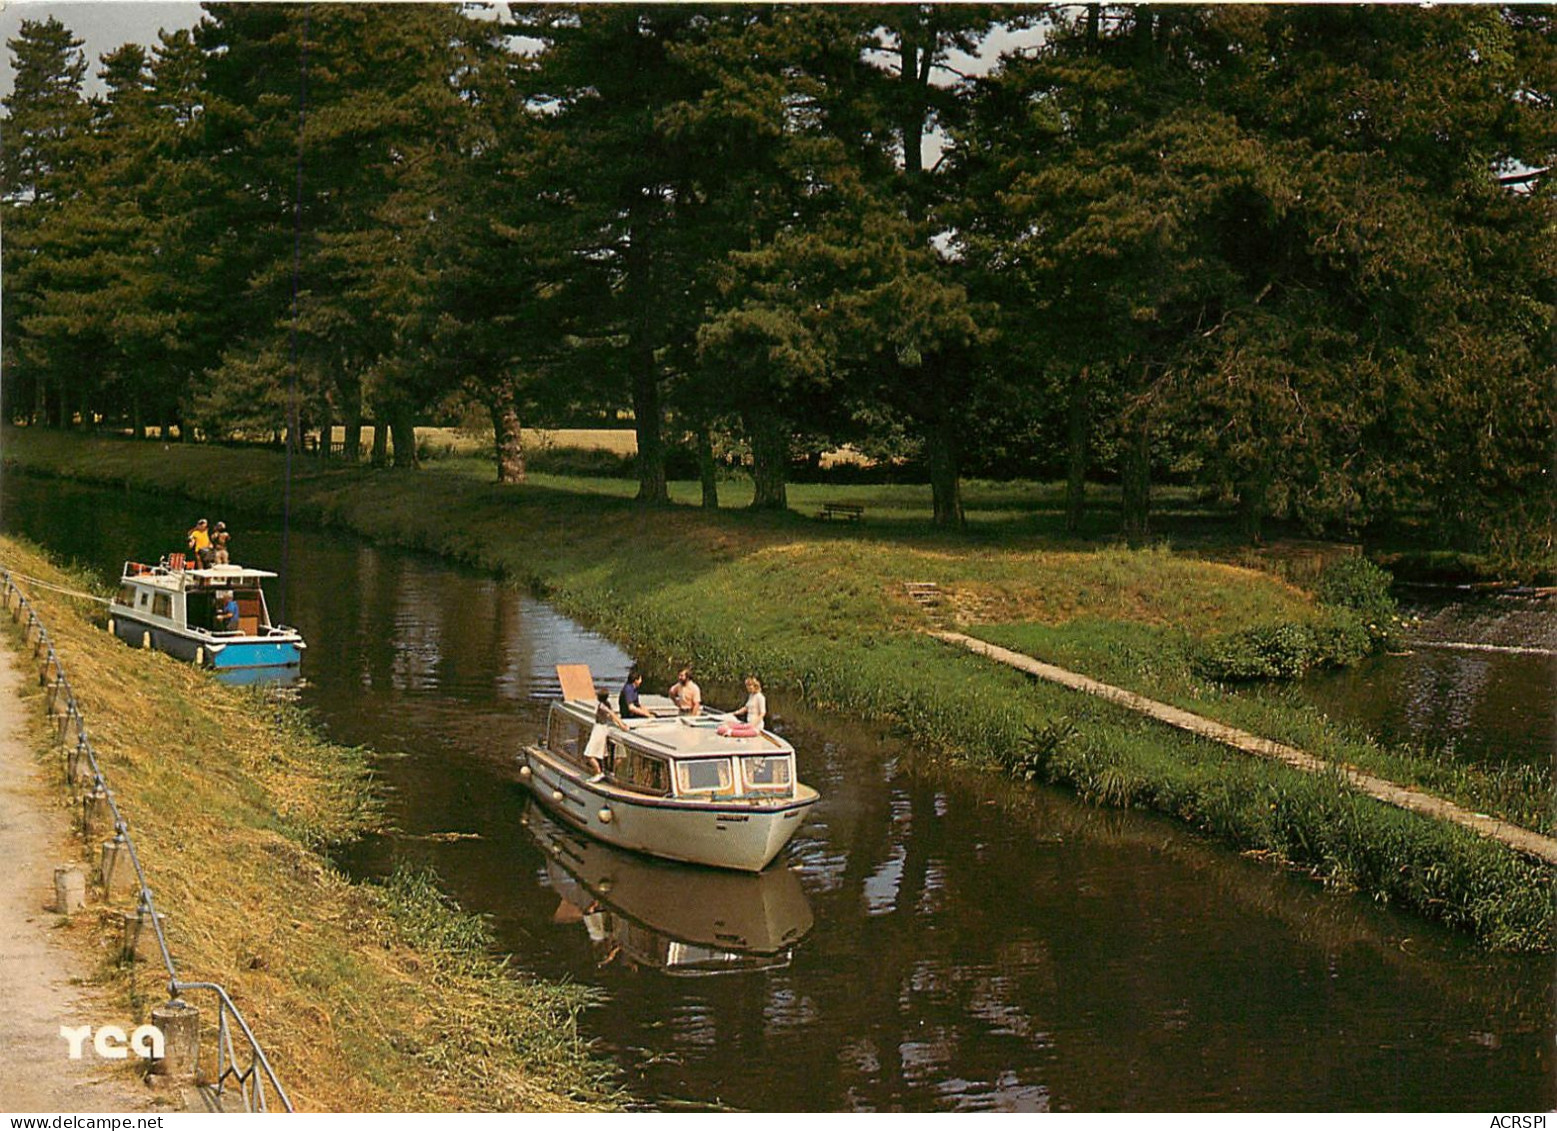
(1520, 839)
(36, 966)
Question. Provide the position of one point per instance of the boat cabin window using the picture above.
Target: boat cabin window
(162, 605)
(765, 772)
(143, 598)
(566, 735)
(703, 774)
(127, 595)
(640, 771)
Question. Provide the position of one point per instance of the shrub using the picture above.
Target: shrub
(1356, 583)
(1275, 651)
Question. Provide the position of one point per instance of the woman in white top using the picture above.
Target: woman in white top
(756, 710)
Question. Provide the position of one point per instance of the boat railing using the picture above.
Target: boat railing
(241, 1062)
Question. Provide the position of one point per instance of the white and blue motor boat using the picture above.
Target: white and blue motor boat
(177, 610)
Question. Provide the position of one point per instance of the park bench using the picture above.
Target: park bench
(850, 512)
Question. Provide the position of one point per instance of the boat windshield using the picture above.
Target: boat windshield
(698, 775)
(765, 772)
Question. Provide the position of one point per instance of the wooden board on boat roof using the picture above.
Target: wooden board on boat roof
(577, 682)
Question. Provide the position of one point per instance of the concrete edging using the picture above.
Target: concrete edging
(1520, 839)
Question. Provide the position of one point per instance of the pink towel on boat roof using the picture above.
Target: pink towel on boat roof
(737, 730)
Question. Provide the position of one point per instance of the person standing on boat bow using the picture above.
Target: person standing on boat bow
(219, 542)
(200, 543)
(686, 694)
(627, 701)
(595, 748)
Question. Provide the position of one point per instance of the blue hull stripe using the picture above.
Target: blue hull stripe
(232, 654)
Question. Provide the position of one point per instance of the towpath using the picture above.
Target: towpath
(1520, 839)
(39, 972)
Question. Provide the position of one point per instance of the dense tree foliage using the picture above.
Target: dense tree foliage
(1269, 251)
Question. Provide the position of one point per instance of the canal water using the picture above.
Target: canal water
(1478, 682)
(931, 941)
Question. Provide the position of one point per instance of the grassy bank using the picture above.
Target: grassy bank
(365, 997)
(820, 611)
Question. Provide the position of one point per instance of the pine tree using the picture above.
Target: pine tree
(45, 122)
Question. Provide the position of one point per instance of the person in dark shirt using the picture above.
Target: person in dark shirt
(627, 701)
(219, 540)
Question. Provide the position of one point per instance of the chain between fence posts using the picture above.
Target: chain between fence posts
(253, 1081)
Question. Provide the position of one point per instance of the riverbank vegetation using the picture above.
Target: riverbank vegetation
(820, 611)
(1295, 259)
(366, 997)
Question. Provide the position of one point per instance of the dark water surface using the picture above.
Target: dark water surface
(953, 942)
(1488, 705)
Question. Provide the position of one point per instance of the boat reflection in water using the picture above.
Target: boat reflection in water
(677, 918)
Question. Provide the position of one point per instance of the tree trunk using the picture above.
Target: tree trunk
(945, 478)
(380, 444)
(326, 434)
(1253, 505)
(769, 436)
(137, 418)
(1136, 477)
(1078, 452)
(403, 424)
(706, 469)
(642, 376)
(506, 434)
(351, 402)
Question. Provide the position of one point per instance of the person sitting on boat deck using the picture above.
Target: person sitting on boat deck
(595, 748)
(219, 542)
(627, 701)
(755, 712)
(200, 543)
(227, 612)
(688, 696)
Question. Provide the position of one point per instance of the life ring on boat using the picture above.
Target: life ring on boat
(737, 730)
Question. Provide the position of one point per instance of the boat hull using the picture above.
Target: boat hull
(237, 657)
(740, 835)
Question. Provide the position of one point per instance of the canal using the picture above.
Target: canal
(931, 940)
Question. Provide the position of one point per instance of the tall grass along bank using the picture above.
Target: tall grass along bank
(366, 997)
(821, 611)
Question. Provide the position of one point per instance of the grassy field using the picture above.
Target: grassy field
(366, 997)
(819, 610)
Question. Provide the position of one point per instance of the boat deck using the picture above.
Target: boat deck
(700, 737)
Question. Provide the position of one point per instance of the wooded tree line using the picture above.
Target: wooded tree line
(1270, 251)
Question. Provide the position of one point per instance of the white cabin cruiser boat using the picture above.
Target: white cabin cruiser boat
(676, 787)
(176, 608)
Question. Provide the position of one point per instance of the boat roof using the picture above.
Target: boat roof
(216, 575)
(683, 736)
